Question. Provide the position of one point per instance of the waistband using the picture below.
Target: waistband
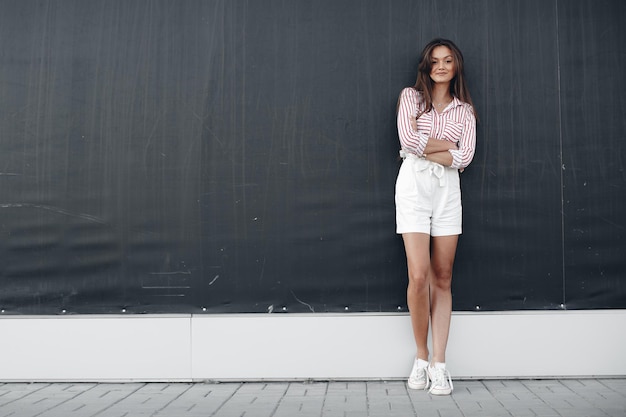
(422, 164)
(409, 154)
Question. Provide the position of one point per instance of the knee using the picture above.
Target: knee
(442, 277)
(418, 280)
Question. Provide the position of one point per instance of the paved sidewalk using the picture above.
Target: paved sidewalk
(493, 398)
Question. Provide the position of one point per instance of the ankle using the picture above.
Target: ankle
(421, 363)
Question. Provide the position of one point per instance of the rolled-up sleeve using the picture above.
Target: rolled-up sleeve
(410, 139)
(463, 156)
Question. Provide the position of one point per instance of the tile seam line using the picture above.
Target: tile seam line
(26, 395)
(214, 413)
(156, 413)
(120, 400)
(280, 400)
(66, 400)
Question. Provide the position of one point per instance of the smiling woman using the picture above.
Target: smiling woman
(442, 71)
(437, 130)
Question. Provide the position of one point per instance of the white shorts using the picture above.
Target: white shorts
(428, 198)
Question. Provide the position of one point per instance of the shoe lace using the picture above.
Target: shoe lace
(438, 379)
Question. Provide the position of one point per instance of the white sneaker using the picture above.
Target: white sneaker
(440, 380)
(419, 376)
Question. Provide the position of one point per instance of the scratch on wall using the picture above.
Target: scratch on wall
(302, 302)
(55, 210)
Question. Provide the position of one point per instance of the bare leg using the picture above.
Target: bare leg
(417, 248)
(442, 259)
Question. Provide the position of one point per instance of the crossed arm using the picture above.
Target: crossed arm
(436, 150)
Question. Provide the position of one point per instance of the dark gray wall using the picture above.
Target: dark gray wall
(240, 156)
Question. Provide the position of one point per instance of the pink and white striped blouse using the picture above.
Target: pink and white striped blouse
(456, 124)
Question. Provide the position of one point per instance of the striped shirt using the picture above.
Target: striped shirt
(456, 124)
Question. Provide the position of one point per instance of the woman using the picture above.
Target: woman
(437, 130)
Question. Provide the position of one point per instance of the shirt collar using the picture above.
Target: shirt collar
(456, 102)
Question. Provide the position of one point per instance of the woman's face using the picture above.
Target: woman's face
(443, 68)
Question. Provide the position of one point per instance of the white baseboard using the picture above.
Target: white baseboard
(539, 344)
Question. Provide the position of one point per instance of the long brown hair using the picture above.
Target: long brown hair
(424, 84)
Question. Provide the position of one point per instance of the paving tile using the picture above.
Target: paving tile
(146, 400)
(302, 399)
(199, 400)
(41, 399)
(253, 399)
(16, 392)
(346, 399)
(389, 399)
(93, 398)
(428, 405)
